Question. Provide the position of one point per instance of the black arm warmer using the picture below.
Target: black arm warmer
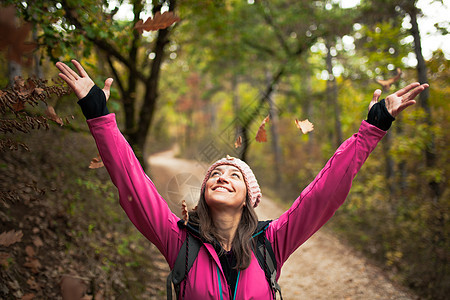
(379, 116)
(93, 104)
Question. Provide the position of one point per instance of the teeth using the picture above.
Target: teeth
(221, 189)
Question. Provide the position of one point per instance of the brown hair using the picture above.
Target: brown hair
(242, 241)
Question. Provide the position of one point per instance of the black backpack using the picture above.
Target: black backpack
(192, 244)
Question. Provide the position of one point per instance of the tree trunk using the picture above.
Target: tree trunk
(236, 108)
(146, 114)
(332, 97)
(430, 150)
(276, 149)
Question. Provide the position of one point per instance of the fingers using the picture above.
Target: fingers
(80, 68)
(413, 93)
(106, 89)
(68, 72)
(376, 96)
(407, 88)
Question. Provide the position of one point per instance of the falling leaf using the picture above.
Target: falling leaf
(10, 237)
(96, 162)
(51, 114)
(184, 212)
(305, 126)
(12, 37)
(159, 21)
(386, 84)
(238, 142)
(261, 135)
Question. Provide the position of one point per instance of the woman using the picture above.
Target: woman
(226, 267)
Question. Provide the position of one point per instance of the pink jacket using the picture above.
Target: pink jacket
(150, 214)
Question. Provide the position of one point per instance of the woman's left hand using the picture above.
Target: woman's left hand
(80, 82)
(398, 101)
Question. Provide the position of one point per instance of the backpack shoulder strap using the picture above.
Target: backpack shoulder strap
(266, 257)
(183, 263)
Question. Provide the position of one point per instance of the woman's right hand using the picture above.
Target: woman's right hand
(80, 83)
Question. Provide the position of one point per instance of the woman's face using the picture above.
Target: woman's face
(225, 187)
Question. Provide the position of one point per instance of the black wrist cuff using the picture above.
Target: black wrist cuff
(93, 104)
(379, 116)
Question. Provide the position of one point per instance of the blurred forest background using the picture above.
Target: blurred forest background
(200, 83)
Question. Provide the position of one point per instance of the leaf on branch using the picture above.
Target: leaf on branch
(184, 212)
(51, 114)
(10, 237)
(305, 126)
(159, 21)
(238, 142)
(96, 162)
(261, 135)
(386, 84)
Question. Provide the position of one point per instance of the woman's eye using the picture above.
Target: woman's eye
(236, 175)
(215, 173)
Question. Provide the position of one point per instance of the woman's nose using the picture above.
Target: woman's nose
(222, 178)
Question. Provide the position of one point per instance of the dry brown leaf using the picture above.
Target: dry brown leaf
(37, 241)
(96, 162)
(238, 142)
(30, 251)
(386, 84)
(33, 264)
(4, 258)
(72, 287)
(29, 296)
(184, 212)
(12, 37)
(305, 126)
(159, 21)
(51, 114)
(261, 135)
(33, 284)
(10, 237)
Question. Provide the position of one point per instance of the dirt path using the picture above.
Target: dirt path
(322, 268)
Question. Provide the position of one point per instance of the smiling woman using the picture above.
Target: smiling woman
(231, 257)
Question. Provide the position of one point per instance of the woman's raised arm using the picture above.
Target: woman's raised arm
(137, 194)
(321, 198)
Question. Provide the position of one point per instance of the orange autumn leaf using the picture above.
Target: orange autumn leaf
(51, 114)
(159, 21)
(184, 212)
(238, 142)
(10, 237)
(305, 126)
(96, 162)
(261, 135)
(386, 84)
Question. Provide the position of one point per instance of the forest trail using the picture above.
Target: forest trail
(322, 268)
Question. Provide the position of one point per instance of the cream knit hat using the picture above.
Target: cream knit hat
(253, 190)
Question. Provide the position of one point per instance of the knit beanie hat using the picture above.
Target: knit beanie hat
(253, 190)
